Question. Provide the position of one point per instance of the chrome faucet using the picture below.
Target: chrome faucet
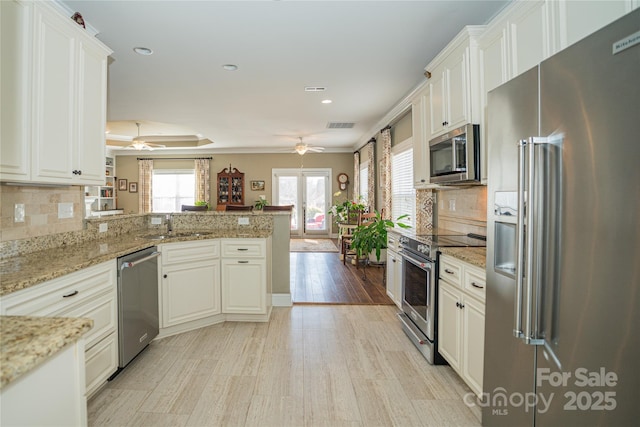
(169, 223)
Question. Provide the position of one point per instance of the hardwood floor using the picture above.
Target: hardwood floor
(309, 366)
(318, 277)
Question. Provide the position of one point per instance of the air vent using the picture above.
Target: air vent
(340, 125)
(314, 89)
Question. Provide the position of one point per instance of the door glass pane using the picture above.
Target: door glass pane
(288, 195)
(315, 213)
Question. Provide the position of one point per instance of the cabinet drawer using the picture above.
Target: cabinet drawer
(474, 282)
(451, 270)
(100, 362)
(102, 310)
(244, 248)
(177, 253)
(62, 294)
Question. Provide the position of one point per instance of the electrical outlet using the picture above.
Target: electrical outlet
(243, 221)
(18, 212)
(65, 210)
(156, 220)
(452, 204)
(102, 228)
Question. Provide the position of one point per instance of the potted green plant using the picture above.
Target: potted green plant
(347, 212)
(202, 203)
(371, 238)
(260, 203)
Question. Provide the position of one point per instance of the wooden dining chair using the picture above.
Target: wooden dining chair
(239, 208)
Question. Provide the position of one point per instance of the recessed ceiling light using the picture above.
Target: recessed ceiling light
(230, 67)
(145, 51)
(327, 101)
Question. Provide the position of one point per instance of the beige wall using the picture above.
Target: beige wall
(41, 210)
(256, 167)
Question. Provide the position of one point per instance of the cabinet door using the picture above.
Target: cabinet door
(190, 291)
(449, 329)
(54, 68)
(578, 19)
(529, 30)
(473, 344)
(14, 141)
(420, 119)
(394, 277)
(92, 113)
(437, 104)
(457, 94)
(244, 286)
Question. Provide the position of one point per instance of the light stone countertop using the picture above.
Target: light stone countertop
(26, 342)
(474, 256)
(21, 272)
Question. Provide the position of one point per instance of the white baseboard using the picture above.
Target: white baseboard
(281, 300)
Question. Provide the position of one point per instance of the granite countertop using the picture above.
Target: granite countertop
(474, 256)
(23, 271)
(26, 342)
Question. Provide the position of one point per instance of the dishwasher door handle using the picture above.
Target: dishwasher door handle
(130, 264)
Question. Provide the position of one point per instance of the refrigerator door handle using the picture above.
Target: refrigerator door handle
(517, 329)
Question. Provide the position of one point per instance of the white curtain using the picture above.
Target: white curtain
(145, 175)
(356, 175)
(203, 180)
(386, 172)
(370, 154)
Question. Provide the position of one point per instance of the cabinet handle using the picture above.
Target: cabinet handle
(243, 249)
(446, 270)
(70, 294)
(79, 172)
(475, 285)
(457, 304)
(461, 306)
(243, 262)
(422, 180)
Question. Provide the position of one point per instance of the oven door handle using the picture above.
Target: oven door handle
(425, 265)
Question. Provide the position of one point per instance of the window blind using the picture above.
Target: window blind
(403, 195)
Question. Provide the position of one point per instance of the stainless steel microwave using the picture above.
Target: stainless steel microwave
(455, 156)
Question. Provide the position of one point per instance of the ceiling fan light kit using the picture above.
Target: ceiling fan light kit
(139, 144)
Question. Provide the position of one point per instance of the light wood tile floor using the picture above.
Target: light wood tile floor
(309, 366)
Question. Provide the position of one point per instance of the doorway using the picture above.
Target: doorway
(309, 191)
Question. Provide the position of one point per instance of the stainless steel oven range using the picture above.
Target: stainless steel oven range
(419, 314)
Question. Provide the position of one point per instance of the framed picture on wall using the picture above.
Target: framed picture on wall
(257, 185)
(133, 187)
(122, 185)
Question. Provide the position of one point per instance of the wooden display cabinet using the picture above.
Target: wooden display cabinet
(230, 187)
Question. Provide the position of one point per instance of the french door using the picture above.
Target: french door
(309, 191)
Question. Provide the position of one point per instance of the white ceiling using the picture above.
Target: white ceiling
(368, 54)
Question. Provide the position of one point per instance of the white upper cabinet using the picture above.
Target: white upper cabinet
(529, 35)
(420, 130)
(454, 84)
(577, 19)
(62, 86)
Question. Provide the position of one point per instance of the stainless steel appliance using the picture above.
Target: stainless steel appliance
(455, 156)
(563, 278)
(138, 321)
(419, 281)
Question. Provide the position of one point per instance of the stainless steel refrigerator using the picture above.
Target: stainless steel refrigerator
(562, 330)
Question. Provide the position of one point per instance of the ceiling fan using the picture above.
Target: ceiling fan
(302, 148)
(138, 143)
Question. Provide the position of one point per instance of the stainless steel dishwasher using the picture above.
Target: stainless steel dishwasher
(137, 302)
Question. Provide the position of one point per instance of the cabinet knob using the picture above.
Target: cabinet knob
(165, 276)
(457, 304)
(79, 172)
(461, 305)
(422, 180)
(446, 270)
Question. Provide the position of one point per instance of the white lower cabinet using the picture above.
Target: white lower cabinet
(52, 394)
(244, 276)
(461, 319)
(394, 270)
(190, 281)
(90, 293)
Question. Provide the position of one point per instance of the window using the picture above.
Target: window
(364, 183)
(172, 188)
(403, 195)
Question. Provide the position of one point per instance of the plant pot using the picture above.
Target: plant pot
(383, 255)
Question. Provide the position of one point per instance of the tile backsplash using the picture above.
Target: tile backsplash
(41, 206)
(462, 210)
